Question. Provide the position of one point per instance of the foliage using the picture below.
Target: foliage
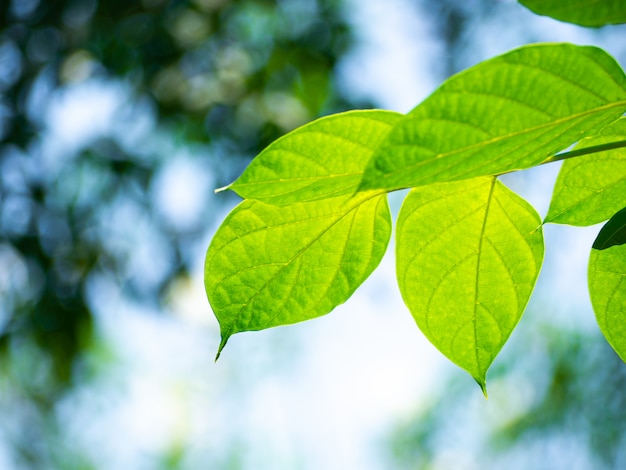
(468, 249)
(294, 263)
(467, 299)
(49, 47)
(607, 266)
(585, 12)
(580, 200)
(217, 81)
(508, 113)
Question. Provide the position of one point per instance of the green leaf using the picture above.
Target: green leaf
(607, 288)
(581, 12)
(468, 255)
(325, 158)
(590, 188)
(613, 232)
(508, 113)
(270, 265)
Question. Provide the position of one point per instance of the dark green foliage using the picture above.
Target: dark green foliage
(223, 78)
(613, 232)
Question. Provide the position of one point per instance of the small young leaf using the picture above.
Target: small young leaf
(590, 188)
(468, 255)
(581, 12)
(504, 114)
(270, 265)
(613, 232)
(325, 158)
(607, 288)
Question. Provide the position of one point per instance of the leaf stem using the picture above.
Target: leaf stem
(585, 151)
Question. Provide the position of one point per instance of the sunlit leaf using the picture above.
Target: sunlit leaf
(581, 12)
(507, 113)
(613, 233)
(607, 288)
(270, 265)
(468, 255)
(325, 158)
(590, 188)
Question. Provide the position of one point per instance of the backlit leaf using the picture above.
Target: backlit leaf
(468, 255)
(590, 188)
(504, 114)
(322, 159)
(270, 265)
(607, 288)
(581, 12)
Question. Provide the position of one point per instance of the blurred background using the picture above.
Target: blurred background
(119, 118)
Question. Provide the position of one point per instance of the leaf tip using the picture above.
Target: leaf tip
(221, 346)
(483, 387)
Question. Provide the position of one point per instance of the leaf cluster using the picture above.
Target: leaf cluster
(315, 221)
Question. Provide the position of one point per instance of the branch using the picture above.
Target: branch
(585, 151)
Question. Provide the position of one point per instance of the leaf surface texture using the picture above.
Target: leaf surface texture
(591, 188)
(607, 288)
(322, 159)
(507, 113)
(468, 256)
(269, 265)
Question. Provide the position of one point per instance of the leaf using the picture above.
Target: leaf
(613, 233)
(269, 265)
(607, 289)
(504, 114)
(468, 255)
(325, 158)
(581, 12)
(590, 188)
